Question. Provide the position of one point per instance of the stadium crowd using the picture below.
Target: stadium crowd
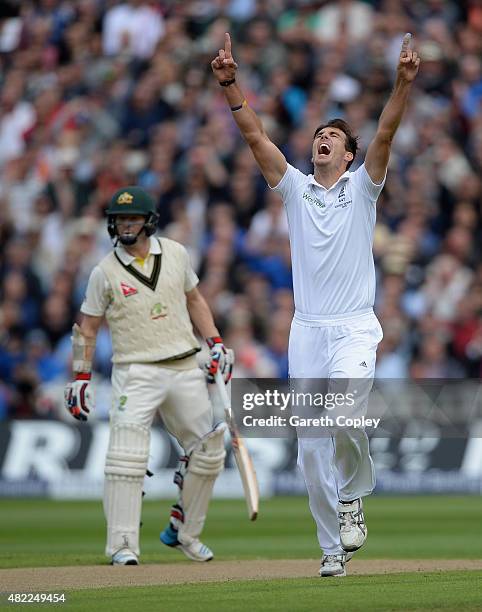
(97, 94)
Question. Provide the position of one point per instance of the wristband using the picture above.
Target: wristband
(214, 340)
(236, 108)
(83, 376)
(226, 83)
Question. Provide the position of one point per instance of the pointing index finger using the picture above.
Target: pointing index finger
(406, 41)
(227, 44)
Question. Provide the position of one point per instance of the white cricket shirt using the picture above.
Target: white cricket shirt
(331, 237)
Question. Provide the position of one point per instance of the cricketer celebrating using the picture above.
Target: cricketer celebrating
(334, 333)
(147, 291)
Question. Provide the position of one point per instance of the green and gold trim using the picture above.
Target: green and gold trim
(150, 281)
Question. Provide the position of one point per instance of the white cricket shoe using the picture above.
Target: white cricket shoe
(353, 530)
(124, 556)
(333, 565)
(196, 550)
(191, 547)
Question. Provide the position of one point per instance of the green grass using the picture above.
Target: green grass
(48, 533)
(420, 591)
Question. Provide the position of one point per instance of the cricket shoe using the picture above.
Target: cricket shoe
(333, 565)
(353, 530)
(124, 556)
(193, 549)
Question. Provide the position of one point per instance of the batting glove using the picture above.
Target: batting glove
(221, 359)
(79, 396)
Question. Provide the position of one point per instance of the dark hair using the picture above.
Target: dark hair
(351, 141)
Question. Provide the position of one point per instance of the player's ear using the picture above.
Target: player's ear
(348, 156)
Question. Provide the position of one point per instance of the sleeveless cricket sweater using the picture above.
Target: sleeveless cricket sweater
(148, 316)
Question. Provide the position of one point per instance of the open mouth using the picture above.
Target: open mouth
(324, 149)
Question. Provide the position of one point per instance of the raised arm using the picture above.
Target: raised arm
(378, 152)
(269, 158)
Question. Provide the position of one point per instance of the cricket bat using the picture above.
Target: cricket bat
(241, 454)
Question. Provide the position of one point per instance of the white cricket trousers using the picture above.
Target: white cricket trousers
(179, 396)
(140, 391)
(337, 466)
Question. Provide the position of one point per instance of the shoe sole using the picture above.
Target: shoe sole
(352, 549)
(131, 562)
(339, 575)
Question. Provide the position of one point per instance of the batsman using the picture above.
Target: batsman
(147, 291)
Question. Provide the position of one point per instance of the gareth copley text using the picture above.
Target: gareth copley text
(322, 421)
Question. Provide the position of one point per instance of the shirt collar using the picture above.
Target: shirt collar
(127, 258)
(344, 177)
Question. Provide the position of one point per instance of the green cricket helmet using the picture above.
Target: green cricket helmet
(132, 200)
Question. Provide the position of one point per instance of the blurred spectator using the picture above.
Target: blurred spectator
(434, 361)
(351, 18)
(40, 359)
(267, 225)
(17, 116)
(132, 28)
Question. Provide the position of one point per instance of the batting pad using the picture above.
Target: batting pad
(125, 468)
(205, 464)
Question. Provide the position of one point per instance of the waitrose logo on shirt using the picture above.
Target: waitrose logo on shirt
(312, 200)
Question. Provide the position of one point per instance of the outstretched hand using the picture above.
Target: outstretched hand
(409, 61)
(223, 65)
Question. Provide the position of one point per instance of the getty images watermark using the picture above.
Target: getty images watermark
(284, 401)
(383, 408)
